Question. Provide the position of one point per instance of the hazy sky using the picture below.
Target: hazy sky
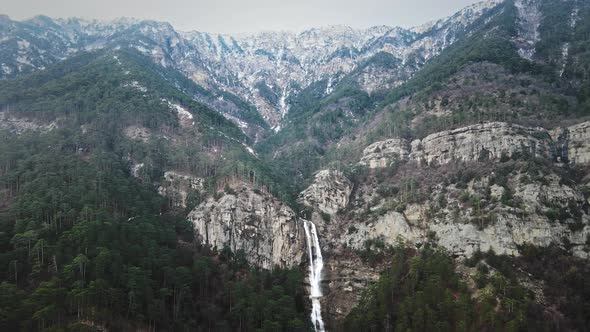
(245, 15)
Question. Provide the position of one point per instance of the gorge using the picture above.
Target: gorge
(386, 178)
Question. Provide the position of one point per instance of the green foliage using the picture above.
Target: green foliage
(84, 242)
(563, 277)
(89, 242)
(266, 93)
(420, 292)
(464, 197)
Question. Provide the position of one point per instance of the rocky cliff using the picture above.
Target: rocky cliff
(484, 142)
(329, 192)
(253, 221)
(578, 143)
(381, 154)
(493, 186)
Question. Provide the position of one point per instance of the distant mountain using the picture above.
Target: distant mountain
(431, 178)
(265, 69)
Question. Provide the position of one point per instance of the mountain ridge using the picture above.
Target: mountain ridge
(450, 193)
(284, 62)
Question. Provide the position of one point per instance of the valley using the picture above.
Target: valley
(335, 179)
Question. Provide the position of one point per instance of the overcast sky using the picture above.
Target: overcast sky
(234, 16)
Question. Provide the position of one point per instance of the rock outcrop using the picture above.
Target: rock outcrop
(489, 141)
(516, 203)
(579, 143)
(177, 187)
(329, 192)
(543, 212)
(382, 154)
(263, 227)
(137, 133)
(19, 125)
(389, 228)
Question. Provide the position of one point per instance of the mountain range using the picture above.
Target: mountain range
(265, 70)
(388, 178)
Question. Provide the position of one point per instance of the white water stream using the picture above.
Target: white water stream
(316, 264)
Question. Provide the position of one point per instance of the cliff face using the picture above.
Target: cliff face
(329, 192)
(485, 142)
(520, 193)
(578, 143)
(490, 186)
(488, 141)
(381, 154)
(264, 228)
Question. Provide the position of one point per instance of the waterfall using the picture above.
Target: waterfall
(316, 264)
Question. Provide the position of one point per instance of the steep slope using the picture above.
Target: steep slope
(318, 122)
(37, 43)
(441, 161)
(160, 130)
(459, 149)
(481, 77)
(270, 68)
(102, 158)
(493, 187)
(265, 70)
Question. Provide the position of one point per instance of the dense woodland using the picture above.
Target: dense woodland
(422, 291)
(85, 244)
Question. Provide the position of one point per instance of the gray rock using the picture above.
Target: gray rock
(253, 221)
(176, 186)
(488, 141)
(579, 143)
(329, 192)
(382, 154)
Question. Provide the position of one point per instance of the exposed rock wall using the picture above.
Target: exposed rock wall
(329, 192)
(19, 125)
(542, 211)
(263, 227)
(579, 143)
(460, 218)
(381, 154)
(488, 141)
(537, 207)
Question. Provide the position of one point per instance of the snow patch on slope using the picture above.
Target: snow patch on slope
(564, 56)
(529, 20)
(184, 117)
(137, 86)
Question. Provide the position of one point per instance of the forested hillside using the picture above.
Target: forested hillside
(87, 242)
(479, 78)
(386, 179)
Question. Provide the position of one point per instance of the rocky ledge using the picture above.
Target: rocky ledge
(488, 141)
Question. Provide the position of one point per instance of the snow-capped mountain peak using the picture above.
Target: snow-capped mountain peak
(266, 69)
